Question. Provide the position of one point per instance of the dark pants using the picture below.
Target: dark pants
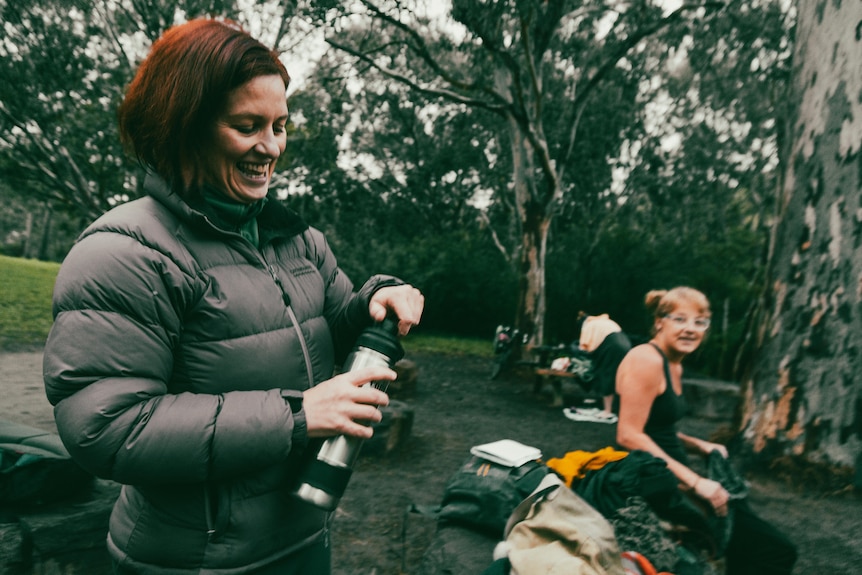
(315, 559)
(756, 547)
(606, 359)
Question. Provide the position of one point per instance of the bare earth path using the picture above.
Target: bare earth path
(22, 396)
(456, 406)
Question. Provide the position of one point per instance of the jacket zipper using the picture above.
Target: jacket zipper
(300, 336)
(208, 512)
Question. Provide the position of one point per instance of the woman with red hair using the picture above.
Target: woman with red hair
(197, 329)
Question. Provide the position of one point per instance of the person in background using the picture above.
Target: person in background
(649, 384)
(603, 339)
(197, 330)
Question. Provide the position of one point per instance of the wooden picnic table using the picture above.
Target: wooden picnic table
(555, 378)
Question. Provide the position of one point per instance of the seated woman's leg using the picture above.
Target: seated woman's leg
(756, 547)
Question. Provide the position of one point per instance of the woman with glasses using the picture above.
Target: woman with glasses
(649, 383)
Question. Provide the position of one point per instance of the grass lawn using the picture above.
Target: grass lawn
(450, 345)
(25, 303)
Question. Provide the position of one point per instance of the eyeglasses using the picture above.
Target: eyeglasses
(681, 321)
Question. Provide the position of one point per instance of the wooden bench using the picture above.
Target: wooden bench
(555, 378)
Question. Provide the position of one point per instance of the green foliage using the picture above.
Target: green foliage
(460, 275)
(25, 308)
(63, 76)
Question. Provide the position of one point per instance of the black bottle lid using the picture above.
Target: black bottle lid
(382, 337)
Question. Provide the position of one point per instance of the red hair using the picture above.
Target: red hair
(182, 87)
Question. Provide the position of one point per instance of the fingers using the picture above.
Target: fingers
(358, 424)
(714, 493)
(369, 374)
(719, 503)
(707, 447)
(719, 499)
(357, 390)
(345, 404)
(405, 301)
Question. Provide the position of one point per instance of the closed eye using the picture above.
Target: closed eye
(248, 130)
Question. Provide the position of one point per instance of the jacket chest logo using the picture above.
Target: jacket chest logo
(302, 270)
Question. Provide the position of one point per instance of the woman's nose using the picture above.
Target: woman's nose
(269, 144)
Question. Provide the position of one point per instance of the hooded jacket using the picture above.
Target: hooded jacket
(176, 365)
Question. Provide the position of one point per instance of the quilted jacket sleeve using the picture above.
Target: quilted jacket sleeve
(118, 308)
(346, 310)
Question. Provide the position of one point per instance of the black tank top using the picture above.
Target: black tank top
(667, 409)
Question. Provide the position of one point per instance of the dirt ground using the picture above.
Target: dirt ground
(455, 406)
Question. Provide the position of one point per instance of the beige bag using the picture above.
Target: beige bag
(556, 532)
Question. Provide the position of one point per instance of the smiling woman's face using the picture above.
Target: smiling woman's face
(248, 138)
(683, 329)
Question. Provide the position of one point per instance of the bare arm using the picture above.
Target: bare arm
(701, 445)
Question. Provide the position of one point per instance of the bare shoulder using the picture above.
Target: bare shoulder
(642, 367)
(644, 356)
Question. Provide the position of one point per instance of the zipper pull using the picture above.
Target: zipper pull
(284, 297)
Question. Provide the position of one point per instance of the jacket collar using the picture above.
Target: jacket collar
(275, 220)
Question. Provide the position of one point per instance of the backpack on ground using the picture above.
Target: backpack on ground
(482, 494)
(35, 467)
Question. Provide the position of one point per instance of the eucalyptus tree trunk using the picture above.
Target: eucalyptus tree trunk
(803, 396)
(534, 220)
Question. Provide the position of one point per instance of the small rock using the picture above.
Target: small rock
(408, 376)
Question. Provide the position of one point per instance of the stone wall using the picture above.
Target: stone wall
(63, 538)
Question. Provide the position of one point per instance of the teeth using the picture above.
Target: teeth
(253, 169)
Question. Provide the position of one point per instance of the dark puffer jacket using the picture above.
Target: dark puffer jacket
(174, 349)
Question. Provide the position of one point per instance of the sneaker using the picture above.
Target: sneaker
(591, 414)
(579, 413)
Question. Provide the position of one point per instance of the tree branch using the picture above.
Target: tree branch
(616, 55)
(437, 92)
(110, 28)
(283, 25)
(483, 215)
(421, 48)
(41, 157)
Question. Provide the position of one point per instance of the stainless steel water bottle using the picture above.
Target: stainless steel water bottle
(325, 477)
